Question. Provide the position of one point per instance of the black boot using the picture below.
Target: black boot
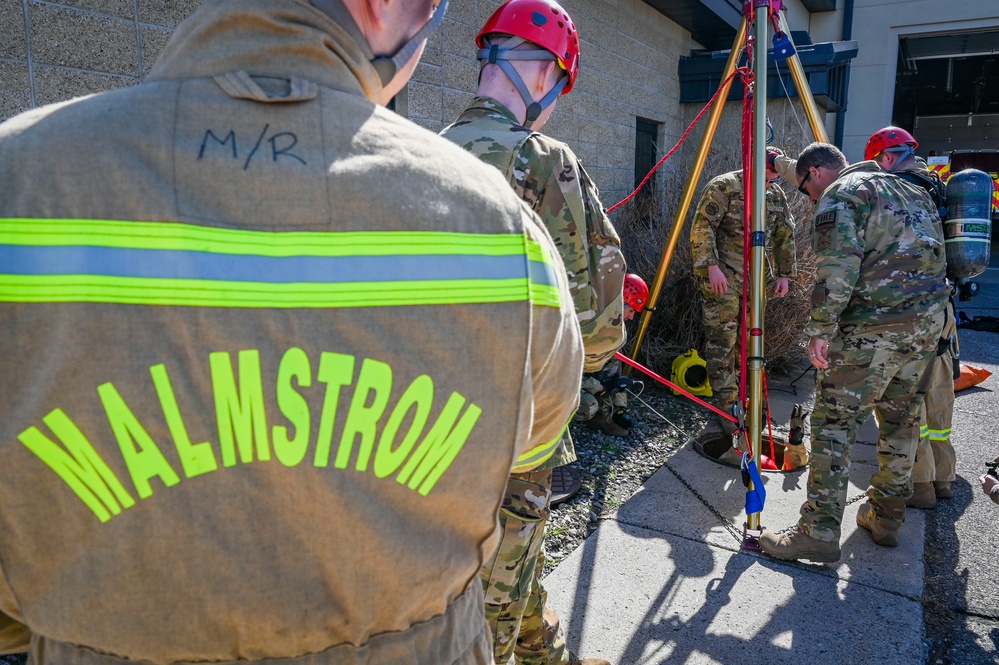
(604, 419)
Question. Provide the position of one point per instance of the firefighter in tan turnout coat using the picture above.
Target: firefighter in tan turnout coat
(229, 428)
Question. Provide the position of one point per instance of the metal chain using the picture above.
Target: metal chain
(714, 511)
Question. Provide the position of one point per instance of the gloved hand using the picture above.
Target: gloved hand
(795, 453)
(591, 385)
(622, 382)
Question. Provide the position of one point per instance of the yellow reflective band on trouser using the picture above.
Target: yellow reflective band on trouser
(166, 263)
(537, 455)
(939, 434)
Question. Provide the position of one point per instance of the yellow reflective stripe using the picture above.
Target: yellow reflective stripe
(189, 237)
(940, 434)
(164, 263)
(136, 291)
(537, 455)
(544, 291)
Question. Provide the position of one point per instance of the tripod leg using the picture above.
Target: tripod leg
(691, 186)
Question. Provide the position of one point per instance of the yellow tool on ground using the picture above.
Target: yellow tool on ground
(690, 372)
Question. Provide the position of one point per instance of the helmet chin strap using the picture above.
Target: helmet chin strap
(386, 65)
(902, 155)
(494, 55)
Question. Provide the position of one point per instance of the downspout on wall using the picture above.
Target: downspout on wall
(847, 36)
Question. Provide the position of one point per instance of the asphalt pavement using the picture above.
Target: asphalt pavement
(666, 580)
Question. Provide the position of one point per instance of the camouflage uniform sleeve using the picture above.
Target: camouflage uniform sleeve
(710, 210)
(782, 224)
(549, 177)
(605, 333)
(839, 250)
(556, 364)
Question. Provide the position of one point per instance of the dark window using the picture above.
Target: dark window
(646, 154)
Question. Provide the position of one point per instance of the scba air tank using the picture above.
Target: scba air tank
(968, 227)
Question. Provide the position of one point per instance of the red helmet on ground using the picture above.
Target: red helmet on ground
(636, 292)
(889, 137)
(542, 22)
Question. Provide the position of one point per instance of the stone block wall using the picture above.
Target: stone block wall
(59, 49)
(56, 50)
(628, 70)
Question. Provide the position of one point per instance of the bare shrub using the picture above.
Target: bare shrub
(644, 224)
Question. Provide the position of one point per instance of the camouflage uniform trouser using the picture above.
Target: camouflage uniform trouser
(720, 317)
(515, 597)
(875, 369)
(936, 459)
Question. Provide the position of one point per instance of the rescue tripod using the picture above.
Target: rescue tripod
(758, 15)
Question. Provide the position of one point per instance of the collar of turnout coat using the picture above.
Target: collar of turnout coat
(278, 38)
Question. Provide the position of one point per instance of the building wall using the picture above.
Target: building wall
(52, 51)
(628, 69)
(61, 49)
(877, 27)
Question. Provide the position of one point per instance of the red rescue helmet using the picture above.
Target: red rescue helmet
(889, 137)
(636, 292)
(542, 22)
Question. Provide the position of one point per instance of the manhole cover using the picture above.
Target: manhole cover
(565, 483)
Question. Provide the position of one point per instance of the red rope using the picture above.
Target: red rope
(645, 370)
(747, 206)
(770, 422)
(678, 144)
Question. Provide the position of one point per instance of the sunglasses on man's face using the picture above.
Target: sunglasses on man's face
(801, 187)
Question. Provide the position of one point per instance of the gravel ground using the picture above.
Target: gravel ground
(612, 469)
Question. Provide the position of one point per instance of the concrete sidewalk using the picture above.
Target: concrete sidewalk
(665, 579)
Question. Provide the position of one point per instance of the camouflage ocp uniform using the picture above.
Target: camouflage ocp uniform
(879, 300)
(716, 238)
(551, 179)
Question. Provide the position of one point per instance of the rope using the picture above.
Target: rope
(645, 370)
(770, 422)
(747, 207)
(674, 148)
(723, 519)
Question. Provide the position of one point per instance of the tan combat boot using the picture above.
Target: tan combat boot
(880, 534)
(795, 457)
(923, 496)
(794, 544)
(795, 453)
(574, 660)
(942, 489)
(604, 419)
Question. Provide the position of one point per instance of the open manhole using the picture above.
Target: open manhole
(717, 447)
